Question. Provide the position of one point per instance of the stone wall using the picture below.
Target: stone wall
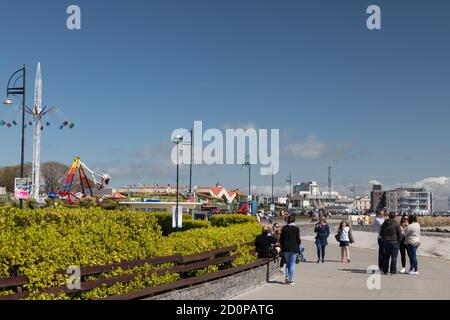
(225, 288)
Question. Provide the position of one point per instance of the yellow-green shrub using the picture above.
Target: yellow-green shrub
(36, 243)
(223, 220)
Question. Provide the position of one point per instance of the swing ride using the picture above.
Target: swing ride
(79, 169)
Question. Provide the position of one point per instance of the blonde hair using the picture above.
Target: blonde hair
(266, 229)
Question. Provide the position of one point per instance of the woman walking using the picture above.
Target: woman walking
(412, 239)
(323, 231)
(290, 243)
(403, 246)
(345, 238)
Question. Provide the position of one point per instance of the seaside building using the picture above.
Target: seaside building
(311, 188)
(377, 198)
(362, 204)
(409, 201)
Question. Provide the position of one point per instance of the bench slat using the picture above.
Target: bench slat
(13, 281)
(186, 282)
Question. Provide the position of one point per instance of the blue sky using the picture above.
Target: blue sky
(373, 104)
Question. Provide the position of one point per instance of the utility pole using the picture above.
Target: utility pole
(289, 180)
(329, 184)
(190, 167)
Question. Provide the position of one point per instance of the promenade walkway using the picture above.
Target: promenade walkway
(335, 280)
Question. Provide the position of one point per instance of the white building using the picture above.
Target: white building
(362, 204)
(311, 188)
(408, 201)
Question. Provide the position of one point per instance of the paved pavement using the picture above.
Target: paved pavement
(335, 280)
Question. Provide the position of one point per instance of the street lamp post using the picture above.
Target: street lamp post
(247, 163)
(289, 180)
(13, 90)
(177, 140)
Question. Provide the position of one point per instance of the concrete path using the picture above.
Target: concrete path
(334, 280)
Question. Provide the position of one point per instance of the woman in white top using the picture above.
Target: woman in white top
(412, 240)
(345, 238)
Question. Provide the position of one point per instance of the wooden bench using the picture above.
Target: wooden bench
(182, 265)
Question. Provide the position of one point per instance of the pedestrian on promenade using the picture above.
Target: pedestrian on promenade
(403, 245)
(265, 244)
(379, 220)
(412, 239)
(277, 236)
(290, 243)
(392, 235)
(322, 231)
(345, 237)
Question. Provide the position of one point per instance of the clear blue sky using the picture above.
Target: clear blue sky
(373, 104)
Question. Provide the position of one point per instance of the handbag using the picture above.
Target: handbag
(338, 237)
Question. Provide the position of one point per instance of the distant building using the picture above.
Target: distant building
(408, 201)
(362, 204)
(377, 198)
(311, 188)
(218, 193)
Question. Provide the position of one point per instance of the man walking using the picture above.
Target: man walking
(379, 220)
(391, 235)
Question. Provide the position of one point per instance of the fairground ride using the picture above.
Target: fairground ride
(78, 168)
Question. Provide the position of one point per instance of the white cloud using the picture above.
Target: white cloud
(372, 182)
(312, 148)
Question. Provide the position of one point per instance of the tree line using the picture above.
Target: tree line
(52, 175)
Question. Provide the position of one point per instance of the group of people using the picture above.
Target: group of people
(393, 237)
(285, 243)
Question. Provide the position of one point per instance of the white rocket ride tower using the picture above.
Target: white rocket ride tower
(37, 114)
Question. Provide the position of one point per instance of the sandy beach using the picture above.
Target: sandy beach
(436, 247)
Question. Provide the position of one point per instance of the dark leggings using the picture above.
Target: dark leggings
(282, 261)
(403, 252)
(320, 251)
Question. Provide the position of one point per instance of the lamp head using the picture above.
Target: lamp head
(178, 139)
(8, 102)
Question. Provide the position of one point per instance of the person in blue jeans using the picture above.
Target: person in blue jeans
(412, 239)
(392, 236)
(322, 231)
(290, 243)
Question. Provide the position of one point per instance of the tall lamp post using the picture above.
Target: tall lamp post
(13, 89)
(247, 163)
(289, 180)
(177, 140)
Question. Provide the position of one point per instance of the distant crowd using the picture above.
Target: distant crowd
(283, 244)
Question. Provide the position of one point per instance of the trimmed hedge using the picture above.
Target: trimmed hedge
(224, 220)
(164, 219)
(36, 243)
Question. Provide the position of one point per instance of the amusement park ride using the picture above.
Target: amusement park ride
(37, 114)
(100, 180)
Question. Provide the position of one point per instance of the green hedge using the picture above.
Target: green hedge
(224, 220)
(164, 219)
(36, 243)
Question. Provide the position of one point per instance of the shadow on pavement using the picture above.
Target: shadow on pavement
(354, 270)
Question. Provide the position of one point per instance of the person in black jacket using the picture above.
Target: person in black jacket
(265, 244)
(290, 243)
(391, 235)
